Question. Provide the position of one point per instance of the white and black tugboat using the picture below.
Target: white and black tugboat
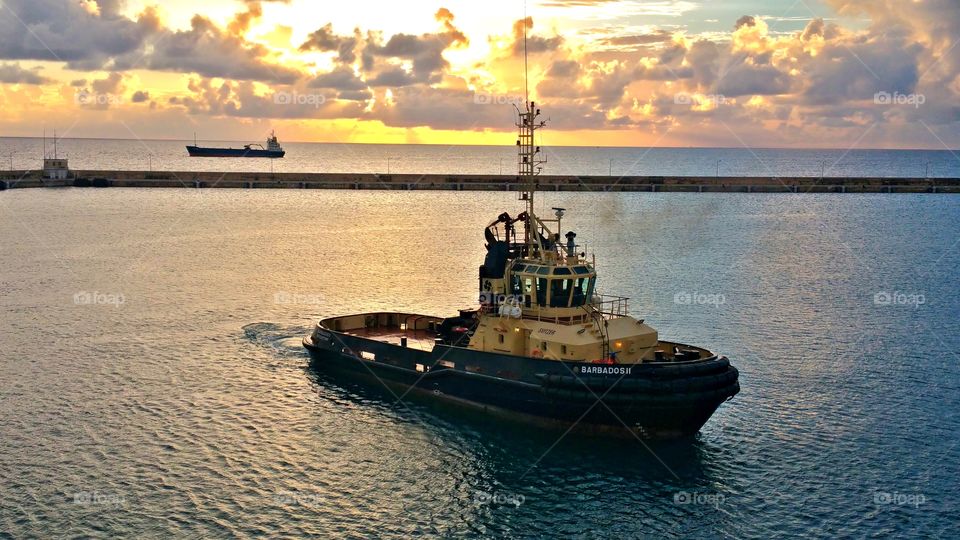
(543, 345)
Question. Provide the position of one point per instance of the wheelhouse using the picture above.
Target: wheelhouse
(549, 286)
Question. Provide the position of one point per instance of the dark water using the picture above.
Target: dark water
(110, 154)
(152, 383)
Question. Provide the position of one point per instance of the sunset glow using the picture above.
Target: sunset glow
(832, 73)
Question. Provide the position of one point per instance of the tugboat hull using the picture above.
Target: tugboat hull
(666, 400)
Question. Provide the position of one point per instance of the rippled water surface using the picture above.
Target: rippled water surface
(152, 381)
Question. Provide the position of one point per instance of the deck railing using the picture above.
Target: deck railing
(611, 306)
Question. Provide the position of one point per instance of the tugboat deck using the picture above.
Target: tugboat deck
(416, 339)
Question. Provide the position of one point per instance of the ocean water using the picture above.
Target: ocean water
(152, 382)
(137, 155)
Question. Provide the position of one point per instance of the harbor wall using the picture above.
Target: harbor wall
(457, 182)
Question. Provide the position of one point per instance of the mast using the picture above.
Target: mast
(529, 161)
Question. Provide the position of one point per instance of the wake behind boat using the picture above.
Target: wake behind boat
(273, 150)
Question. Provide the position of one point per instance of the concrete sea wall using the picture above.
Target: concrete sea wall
(454, 182)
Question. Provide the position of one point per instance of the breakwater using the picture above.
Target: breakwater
(454, 182)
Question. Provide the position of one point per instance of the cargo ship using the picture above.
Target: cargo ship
(273, 150)
(543, 345)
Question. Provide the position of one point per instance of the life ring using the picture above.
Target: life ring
(537, 353)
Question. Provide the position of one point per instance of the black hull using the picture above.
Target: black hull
(196, 151)
(646, 401)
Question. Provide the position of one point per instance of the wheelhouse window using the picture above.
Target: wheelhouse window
(560, 292)
(542, 292)
(582, 291)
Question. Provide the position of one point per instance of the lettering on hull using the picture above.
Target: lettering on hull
(605, 370)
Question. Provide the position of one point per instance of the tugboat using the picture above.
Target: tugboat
(273, 150)
(543, 345)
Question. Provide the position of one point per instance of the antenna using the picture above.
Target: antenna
(44, 143)
(55, 143)
(526, 70)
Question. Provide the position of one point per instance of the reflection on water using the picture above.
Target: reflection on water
(190, 408)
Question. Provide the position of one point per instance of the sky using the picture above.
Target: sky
(683, 73)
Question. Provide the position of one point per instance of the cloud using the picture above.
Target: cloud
(113, 84)
(630, 42)
(95, 35)
(64, 30)
(241, 100)
(12, 73)
(209, 51)
(424, 52)
(341, 78)
(440, 108)
(533, 44)
(817, 83)
(325, 39)
(743, 76)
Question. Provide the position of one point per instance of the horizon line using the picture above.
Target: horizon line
(666, 147)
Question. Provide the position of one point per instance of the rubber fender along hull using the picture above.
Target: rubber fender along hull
(678, 406)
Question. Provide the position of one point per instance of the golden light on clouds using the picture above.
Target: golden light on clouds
(613, 72)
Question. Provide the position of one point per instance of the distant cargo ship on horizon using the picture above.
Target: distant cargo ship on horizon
(273, 150)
